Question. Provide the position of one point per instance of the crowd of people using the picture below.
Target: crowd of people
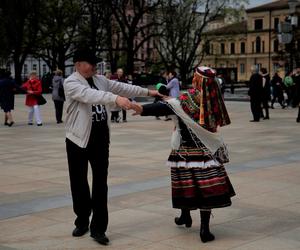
(265, 91)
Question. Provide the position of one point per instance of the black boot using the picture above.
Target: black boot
(205, 234)
(185, 218)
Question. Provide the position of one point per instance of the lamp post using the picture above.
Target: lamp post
(293, 22)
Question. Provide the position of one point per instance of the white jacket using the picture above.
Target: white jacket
(80, 97)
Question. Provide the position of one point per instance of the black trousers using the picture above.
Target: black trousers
(124, 113)
(58, 110)
(255, 109)
(265, 104)
(84, 203)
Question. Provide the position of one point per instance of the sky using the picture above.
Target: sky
(253, 3)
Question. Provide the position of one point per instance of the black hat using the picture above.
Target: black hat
(86, 55)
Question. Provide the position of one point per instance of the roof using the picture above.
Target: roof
(236, 28)
(276, 5)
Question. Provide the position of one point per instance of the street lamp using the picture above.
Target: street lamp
(294, 22)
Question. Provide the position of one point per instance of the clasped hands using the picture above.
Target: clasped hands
(126, 104)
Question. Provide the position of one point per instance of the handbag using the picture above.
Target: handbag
(41, 100)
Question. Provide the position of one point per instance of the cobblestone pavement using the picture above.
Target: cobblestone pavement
(35, 203)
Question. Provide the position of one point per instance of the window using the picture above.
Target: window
(263, 46)
(206, 48)
(44, 69)
(222, 48)
(34, 67)
(275, 45)
(25, 69)
(232, 48)
(258, 66)
(252, 47)
(258, 45)
(242, 68)
(276, 22)
(243, 50)
(258, 24)
(129, 17)
(212, 49)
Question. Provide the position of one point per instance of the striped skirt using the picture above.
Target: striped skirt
(198, 181)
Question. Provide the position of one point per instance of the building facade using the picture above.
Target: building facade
(254, 41)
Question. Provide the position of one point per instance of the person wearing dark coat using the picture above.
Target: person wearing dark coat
(277, 85)
(297, 92)
(255, 93)
(7, 96)
(58, 95)
(266, 92)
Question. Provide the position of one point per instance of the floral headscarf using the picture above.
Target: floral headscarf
(204, 102)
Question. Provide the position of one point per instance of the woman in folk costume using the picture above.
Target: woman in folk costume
(199, 179)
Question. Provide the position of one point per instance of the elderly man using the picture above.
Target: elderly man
(88, 97)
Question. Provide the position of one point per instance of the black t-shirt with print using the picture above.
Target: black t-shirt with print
(100, 131)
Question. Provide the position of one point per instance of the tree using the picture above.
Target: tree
(20, 20)
(58, 32)
(136, 20)
(184, 23)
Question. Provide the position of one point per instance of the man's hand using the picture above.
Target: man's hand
(29, 91)
(123, 102)
(138, 108)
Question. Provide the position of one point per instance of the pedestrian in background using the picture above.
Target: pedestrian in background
(88, 99)
(33, 88)
(173, 86)
(266, 92)
(7, 96)
(58, 95)
(277, 86)
(296, 101)
(122, 78)
(255, 92)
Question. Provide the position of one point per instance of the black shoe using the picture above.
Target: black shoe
(298, 120)
(206, 236)
(79, 231)
(168, 119)
(266, 118)
(6, 123)
(124, 120)
(30, 123)
(100, 238)
(254, 121)
(58, 122)
(183, 221)
(10, 124)
(40, 124)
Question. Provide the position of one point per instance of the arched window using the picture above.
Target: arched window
(258, 44)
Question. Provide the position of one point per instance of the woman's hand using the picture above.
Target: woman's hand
(138, 108)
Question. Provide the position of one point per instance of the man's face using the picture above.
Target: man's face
(86, 69)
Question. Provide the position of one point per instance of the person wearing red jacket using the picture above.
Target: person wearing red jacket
(33, 88)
